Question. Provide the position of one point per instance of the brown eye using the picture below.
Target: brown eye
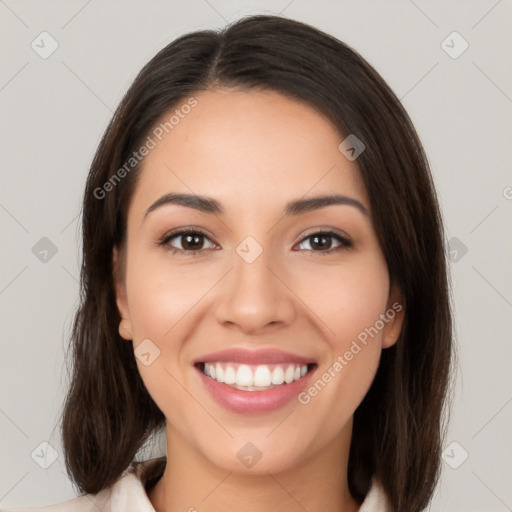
(192, 242)
(321, 242)
(189, 242)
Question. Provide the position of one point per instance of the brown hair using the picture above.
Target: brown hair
(399, 426)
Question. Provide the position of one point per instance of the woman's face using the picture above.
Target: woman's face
(264, 282)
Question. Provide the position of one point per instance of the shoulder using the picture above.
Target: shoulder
(84, 503)
(127, 493)
(376, 500)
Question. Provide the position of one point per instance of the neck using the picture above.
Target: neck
(191, 482)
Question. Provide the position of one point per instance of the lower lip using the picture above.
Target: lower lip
(255, 402)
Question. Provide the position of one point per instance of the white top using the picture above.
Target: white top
(128, 494)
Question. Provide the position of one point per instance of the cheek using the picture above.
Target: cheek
(349, 300)
(161, 295)
(347, 297)
(161, 300)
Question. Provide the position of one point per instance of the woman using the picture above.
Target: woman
(263, 276)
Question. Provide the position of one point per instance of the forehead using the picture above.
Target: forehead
(256, 147)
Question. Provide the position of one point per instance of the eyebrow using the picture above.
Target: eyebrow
(212, 206)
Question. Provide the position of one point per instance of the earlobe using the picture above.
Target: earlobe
(125, 330)
(125, 327)
(395, 314)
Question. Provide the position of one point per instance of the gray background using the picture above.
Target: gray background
(54, 111)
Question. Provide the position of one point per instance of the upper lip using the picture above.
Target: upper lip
(261, 356)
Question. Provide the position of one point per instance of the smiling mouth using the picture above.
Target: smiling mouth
(250, 377)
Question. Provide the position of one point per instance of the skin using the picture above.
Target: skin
(253, 152)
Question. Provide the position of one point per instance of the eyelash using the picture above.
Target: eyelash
(164, 242)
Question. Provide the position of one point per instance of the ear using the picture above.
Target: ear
(125, 325)
(394, 317)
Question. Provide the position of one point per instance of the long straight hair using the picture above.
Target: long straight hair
(400, 424)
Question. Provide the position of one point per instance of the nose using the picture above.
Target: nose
(254, 297)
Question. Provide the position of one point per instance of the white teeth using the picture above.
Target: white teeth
(255, 378)
(262, 376)
(244, 376)
(278, 375)
(288, 374)
(229, 375)
(219, 372)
